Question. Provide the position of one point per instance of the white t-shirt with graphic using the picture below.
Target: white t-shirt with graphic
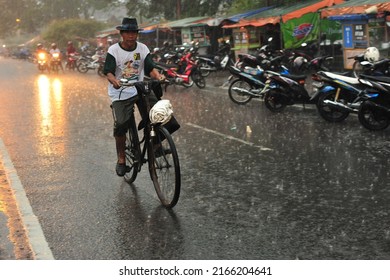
(130, 66)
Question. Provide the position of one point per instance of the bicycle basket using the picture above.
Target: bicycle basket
(161, 112)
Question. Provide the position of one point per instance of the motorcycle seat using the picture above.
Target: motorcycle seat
(234, 70)
(349, 80)
(383, 79)
(164, 65)
(383, 61)
(294, 77)
(209, 56)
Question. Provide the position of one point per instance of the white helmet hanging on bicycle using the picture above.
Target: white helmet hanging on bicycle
(161, 112)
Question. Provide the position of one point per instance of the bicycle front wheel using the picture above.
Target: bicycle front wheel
(164, 168)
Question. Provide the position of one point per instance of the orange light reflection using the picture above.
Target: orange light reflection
(51, 119)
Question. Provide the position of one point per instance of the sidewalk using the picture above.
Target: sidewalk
(21, 235)
(14, 243)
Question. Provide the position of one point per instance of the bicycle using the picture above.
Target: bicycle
(155, 147)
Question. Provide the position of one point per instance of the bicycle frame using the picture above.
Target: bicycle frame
(158, 150)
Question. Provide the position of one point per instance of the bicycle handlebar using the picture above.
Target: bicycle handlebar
(127, 83)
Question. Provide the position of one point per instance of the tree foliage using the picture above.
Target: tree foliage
(62, 31)
(32, 15)
(178, 9)
(175, 9)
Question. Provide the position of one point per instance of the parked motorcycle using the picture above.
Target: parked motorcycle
(249, 83)
(187, 78)
(95, 62)
(378, 68)
(285, 89)
(282, 90)
(371, 54)
(374, 111)
(212, 63)
(303, 65)
(339, 95)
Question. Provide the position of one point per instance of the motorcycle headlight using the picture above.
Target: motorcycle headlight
(56, 55)
(41, 56)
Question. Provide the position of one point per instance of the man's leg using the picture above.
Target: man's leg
(120, 148)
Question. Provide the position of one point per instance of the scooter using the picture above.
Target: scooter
(371, 54)
(282, 90)
(212, 63)
(338, 95)
(374, 111)
(55, 62)
(186, 78)
(71, 61)
(95, 62)
(285, 89)
(248, 83)
(42, 62)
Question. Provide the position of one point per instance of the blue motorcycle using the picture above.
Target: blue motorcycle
(374, 111)
(249, 82)
(338, 95)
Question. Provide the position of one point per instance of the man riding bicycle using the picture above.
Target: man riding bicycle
(130, 60)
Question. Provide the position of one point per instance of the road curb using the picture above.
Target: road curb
(36, 238)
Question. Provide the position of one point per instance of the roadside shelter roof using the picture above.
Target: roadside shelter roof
(186, 22)
(284, 13)
(356, 7)
(233, 18)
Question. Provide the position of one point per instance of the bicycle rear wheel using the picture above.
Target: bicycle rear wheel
(164, 168)
(132, 152)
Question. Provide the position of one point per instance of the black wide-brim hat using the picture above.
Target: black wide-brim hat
(129, 24)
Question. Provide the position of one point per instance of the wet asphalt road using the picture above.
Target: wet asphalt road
(295, 187)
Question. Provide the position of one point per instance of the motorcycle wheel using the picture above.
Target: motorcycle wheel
(198, 79)
(373, 119)
(238, 97)
(357, 69)
(202, 69)
(272, 101)
(55, 68)
(329, 113)
(82, 67)
(189, 84)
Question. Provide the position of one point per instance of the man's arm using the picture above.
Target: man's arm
(150, 69)
(109, 71)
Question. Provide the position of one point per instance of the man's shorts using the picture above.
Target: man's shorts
(122, 111)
